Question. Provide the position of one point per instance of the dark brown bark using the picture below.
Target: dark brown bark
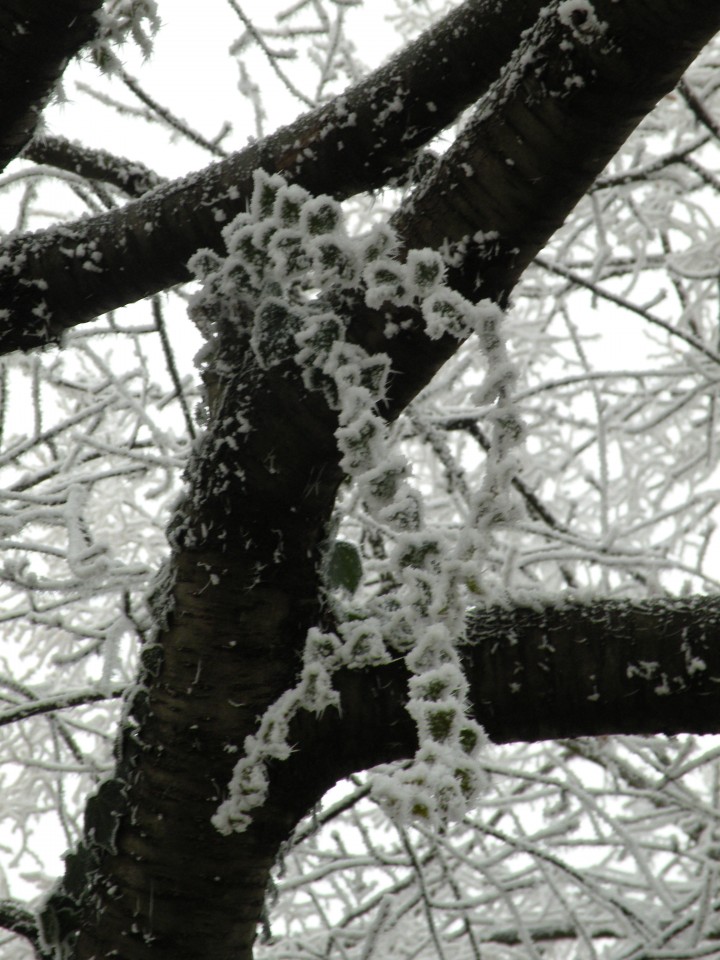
(37, 39)
(153, 878)
(18, 919)
(568, 669)
(596, 668)
(567, 101)
(564, 669)
(533, 149)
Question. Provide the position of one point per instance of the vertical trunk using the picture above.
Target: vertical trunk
(153, 878)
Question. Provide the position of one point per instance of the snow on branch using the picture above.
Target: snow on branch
(61, 701)
(349, 145)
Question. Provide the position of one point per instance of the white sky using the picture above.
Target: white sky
(191, 73)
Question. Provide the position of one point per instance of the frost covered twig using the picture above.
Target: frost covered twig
(60, 701)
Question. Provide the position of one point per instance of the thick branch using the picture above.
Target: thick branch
(602, 667)
(37, 39)
(559, 670)
(565, 104)
(69, 274)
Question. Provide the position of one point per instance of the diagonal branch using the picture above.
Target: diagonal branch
(532, 150)
(52, 280)
(130, 176)
(62, 701)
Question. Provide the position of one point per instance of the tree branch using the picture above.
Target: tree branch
(61, 701)
(130, 176)
(37, 39)
(357, 142)
(578, 669)
(530, 154)
(566, 669)
(553, 932)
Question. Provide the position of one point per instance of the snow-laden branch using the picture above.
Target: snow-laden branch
(130, 176)
(563, 669)
(21, 921)
(71, 273)
(60, 701)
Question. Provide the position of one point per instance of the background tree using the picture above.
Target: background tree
(298, 573)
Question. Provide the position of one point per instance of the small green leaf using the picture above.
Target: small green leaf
(344, 566)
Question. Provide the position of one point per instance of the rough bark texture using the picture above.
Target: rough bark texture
(532, 150)
(247, 546)
(574, 669)
(153, 878)
(567, 669)
(37, 39)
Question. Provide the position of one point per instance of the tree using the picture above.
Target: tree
(303, 593)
